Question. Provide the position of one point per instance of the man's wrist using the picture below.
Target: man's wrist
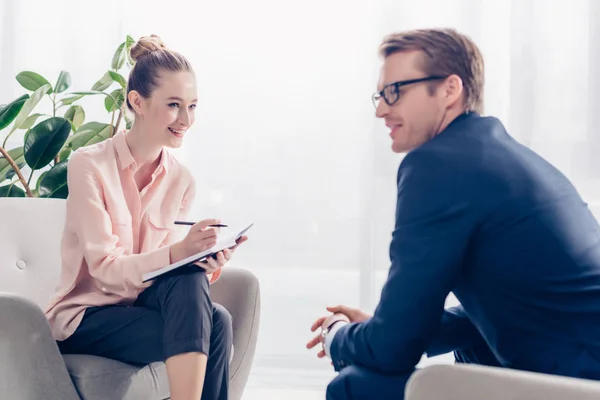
(335, 318)
(328, 329)
(330, 332)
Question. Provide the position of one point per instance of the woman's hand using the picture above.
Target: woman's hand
(211, 264)
(200, 237)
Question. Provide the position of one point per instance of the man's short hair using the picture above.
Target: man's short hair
(446, 52)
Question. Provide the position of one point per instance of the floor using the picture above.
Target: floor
(292, 393)
(266, 384)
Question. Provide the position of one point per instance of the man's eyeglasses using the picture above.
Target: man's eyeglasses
(391, 91)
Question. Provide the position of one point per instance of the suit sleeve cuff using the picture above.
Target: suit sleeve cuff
(330, 335)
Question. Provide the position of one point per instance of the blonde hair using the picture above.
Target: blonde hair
(446, 52)
(151, 55)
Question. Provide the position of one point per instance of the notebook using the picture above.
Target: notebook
(224, 242)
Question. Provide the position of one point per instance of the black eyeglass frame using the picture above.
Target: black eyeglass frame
(397, 85)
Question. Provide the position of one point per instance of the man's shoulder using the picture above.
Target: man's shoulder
(453, 166)
(458, 149)
(430, 162)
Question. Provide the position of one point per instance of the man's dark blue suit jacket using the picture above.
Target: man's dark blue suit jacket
(484, 217)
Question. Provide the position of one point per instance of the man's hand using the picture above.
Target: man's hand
(340, 313)
(353, 314)
(324, 323)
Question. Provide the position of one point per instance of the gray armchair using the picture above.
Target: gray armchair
(31, 366)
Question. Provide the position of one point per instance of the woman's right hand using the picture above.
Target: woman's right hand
(199, 238)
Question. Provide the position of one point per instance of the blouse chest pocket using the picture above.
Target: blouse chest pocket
(159, 228)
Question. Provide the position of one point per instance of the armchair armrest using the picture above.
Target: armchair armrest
(238, 291)
(31, 366)
(475, 382)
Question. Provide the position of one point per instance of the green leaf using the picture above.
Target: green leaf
(29, 121)
(75, 115)
(118, 58)
(9, 112)
(45, 140)
(39, 181)
(11, 190)
(32, 81)
(64, 153)
(118, 78)
(71, 99)
(54, 182)
(90, 133)
(63, 82)
(91, 92)
(6, 168)
(129, 42)
(29, 105)
(128, 121)
(11, 174)
(103, 83)
(115, 101)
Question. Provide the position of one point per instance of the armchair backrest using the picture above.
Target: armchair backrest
(30, 235)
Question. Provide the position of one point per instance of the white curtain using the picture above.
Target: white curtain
(286, 135)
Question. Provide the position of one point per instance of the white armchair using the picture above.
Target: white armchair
(31, 366)
(476, 382)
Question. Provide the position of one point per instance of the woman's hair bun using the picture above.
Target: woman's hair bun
(146, 45)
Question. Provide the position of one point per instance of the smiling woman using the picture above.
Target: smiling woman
(124, 194)
(162, 93)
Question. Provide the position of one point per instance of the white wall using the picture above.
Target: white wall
(286, 135)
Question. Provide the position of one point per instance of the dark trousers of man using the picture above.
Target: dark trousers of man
(173, 316)
(356, 383)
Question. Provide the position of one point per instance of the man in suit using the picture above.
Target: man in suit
(479, 215)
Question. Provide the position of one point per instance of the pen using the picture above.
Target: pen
(193, 223)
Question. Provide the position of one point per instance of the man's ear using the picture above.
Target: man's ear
(453, 89)
(136, 101)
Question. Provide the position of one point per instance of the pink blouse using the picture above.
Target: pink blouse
(114, 233)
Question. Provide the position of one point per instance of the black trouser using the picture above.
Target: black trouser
(175, 315)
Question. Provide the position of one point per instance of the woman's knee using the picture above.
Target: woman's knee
(189, 288)
(222, 322)
(184, 299)
(191, 279)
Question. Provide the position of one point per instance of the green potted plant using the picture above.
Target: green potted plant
(50, 138)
